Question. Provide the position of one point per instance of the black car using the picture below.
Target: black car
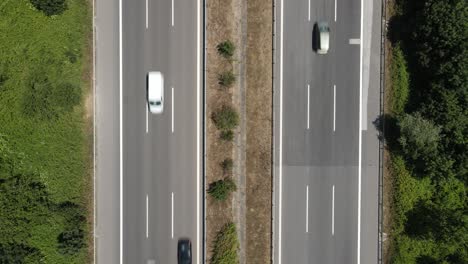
(184, 252)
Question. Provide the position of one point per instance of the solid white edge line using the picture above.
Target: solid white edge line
(94, 133)
(198, 130)
(147, 221)
(172, 110)
(334, 107)
(120, 132)
(308, 106)
(308, 11)
(172, 215)
(333, 210)
(335, 10)
(360, 139)
(146, 13)
(172, 12)
(280, 206)
(307, 209)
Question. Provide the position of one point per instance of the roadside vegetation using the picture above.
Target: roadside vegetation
(221, 189)
(426, 131)
(45, 186)
(222, 242)
(226, 246)
(226, 49)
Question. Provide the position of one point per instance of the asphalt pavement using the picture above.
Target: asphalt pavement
(321, 162)
(148, 171)
(160, 179)
(106, 149)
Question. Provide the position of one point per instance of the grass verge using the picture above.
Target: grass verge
(44, 68)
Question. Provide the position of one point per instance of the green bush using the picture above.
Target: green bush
(50, 7)
(47, 99)
(407, 192)
(71, 241)
(20, 253)
(400, 81)
(226, 79)
(221, 189)
(227, 165)
(227, 135)
(226, 246)
(226, 49)
(418, 137)
(226, 118)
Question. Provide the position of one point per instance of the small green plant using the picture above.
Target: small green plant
(221, 189)
(227, 135)
(400, 81)
(50, 7)
(71, 241)
(226, 118)
(226, 49)
(226, 246)
(227, 165)
(226, 78)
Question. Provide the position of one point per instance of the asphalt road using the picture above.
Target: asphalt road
(319, 179)
(160, 152)
(106, 149)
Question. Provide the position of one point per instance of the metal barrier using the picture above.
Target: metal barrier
(383, 29)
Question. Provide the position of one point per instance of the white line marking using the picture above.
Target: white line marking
(354, 41)
(308, 9)
(334, 107)
(307, 209)
(147, 222)
(146, 110)
(146, 13)
(360, 140)
(333, 210)
(172, 105)
(198, 131)
(172, 214)
(335, 10)
(120, 130)
(280, 206)
(172, 13)
(308, 106)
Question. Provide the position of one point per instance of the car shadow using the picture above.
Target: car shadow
(315, 33)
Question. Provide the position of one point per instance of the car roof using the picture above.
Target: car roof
(155, 85)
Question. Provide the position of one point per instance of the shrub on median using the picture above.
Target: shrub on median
(226, 118)
(221, 189)
(226, 79)
(226, 49)
(226, 246)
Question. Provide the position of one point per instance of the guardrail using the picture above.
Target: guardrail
(383, 29)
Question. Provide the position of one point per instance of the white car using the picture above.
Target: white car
(155, 92)
(323, 37)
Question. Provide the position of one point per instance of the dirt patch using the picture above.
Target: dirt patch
(259, 94)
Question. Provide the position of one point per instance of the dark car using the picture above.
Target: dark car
(184, 252)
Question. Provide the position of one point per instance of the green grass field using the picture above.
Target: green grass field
(42, 87)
